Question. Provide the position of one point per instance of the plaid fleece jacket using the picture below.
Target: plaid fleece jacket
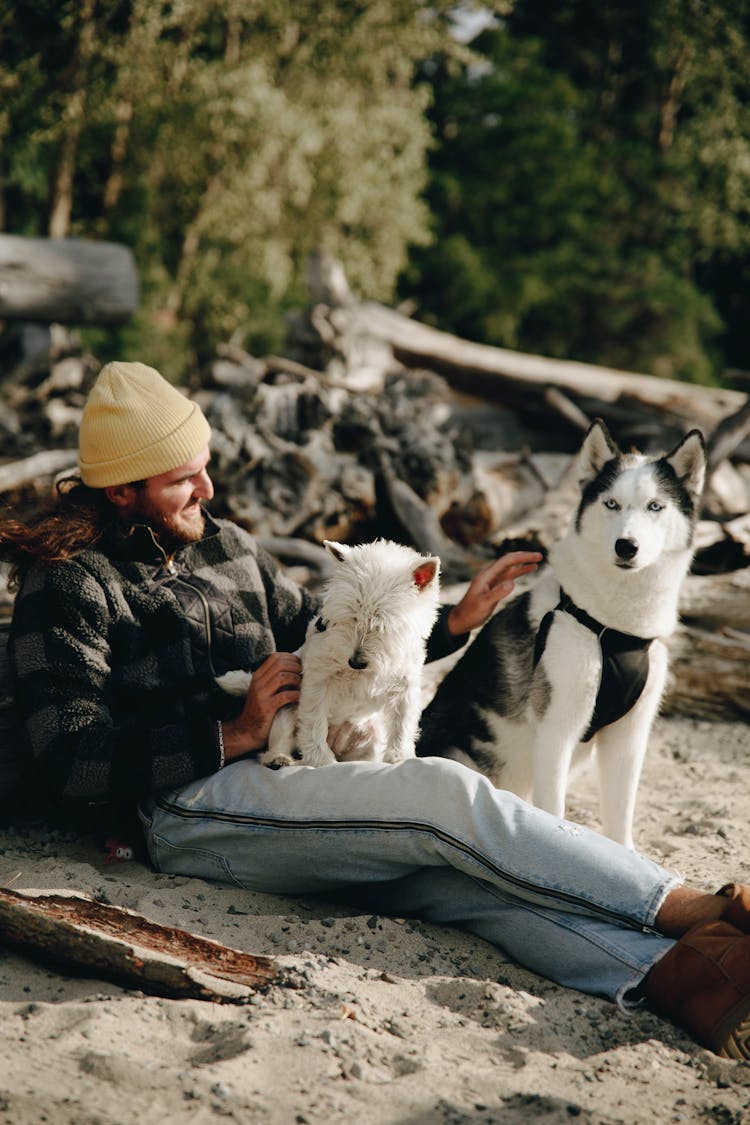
(115, 653)
(114, 656)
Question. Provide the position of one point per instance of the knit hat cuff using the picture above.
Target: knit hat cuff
(168, 452)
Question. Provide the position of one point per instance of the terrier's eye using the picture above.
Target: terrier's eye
(612, 505)
(320, 625)
(655, 506)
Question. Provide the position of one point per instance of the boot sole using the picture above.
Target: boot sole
(732, 1036)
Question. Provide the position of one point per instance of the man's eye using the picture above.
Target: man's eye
(612, 505)
(320, 625)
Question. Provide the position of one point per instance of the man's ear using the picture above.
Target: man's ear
(121, 495)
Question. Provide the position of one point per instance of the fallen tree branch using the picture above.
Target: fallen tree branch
(523, 380)
(567, 409)
(728, 435)
(421, 523)
(93, 939)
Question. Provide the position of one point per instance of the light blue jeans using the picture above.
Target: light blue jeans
(429, 838)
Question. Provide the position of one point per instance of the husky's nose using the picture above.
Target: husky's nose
(626, 549)
(358, 662)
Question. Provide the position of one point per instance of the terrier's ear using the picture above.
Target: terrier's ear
(598, 448)
(688, 459)
(338, 550)
(425, 573)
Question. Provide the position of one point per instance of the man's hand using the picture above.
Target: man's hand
(274, 684)
(489, 587)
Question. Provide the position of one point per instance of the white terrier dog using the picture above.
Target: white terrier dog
(361, 660)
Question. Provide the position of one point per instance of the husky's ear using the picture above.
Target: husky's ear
(338, 550)
(425, 573)
(598, 448)
(688, 459)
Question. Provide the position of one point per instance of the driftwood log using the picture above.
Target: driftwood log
(709, 674)
(39, 467)
(92, 939)
(66, 281)
(717, 601)
(523, 381)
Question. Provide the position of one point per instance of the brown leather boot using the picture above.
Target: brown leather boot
(737, 910)
(703, 984)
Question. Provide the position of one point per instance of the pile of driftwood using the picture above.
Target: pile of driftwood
(371, 424)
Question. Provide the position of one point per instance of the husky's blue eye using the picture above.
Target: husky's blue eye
(320, 625)
(612, 505)
(654, 506)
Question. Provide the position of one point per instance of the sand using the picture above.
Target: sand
(395, 1021)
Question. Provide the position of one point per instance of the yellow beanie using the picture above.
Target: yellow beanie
(137, 425)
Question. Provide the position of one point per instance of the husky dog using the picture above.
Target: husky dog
(362, 659)
(578, 663)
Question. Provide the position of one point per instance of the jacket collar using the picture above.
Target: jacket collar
(138, 543)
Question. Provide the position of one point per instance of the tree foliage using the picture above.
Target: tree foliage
(591, 185)
(223, 141)
(587, 192)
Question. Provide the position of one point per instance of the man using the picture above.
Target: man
(133, 600)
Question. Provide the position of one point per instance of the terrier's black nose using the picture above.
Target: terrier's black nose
(626, 549)
(357, 661)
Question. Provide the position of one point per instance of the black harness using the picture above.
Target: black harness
(625, 664)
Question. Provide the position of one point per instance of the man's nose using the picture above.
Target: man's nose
(204, 488)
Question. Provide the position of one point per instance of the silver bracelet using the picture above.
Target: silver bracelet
(221, 745)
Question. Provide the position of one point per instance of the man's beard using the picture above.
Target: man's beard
(171, 531)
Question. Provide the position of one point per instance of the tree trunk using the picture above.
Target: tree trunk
(114, 185)
(190, 247)
(62, 191)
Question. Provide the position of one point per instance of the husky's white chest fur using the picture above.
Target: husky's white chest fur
(582, 655)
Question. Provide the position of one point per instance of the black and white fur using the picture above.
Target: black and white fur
(621, 562)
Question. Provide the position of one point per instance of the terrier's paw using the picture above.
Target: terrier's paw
(235, 682)
(275, 761)
(278, 763)
(315, 756)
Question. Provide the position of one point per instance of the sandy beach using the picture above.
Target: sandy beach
(391, 1021)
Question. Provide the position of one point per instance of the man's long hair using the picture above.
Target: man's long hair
(79, 519)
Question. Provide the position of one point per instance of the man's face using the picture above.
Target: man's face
(171, 503)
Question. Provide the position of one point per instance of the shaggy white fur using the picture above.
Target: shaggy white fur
(361, 661)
